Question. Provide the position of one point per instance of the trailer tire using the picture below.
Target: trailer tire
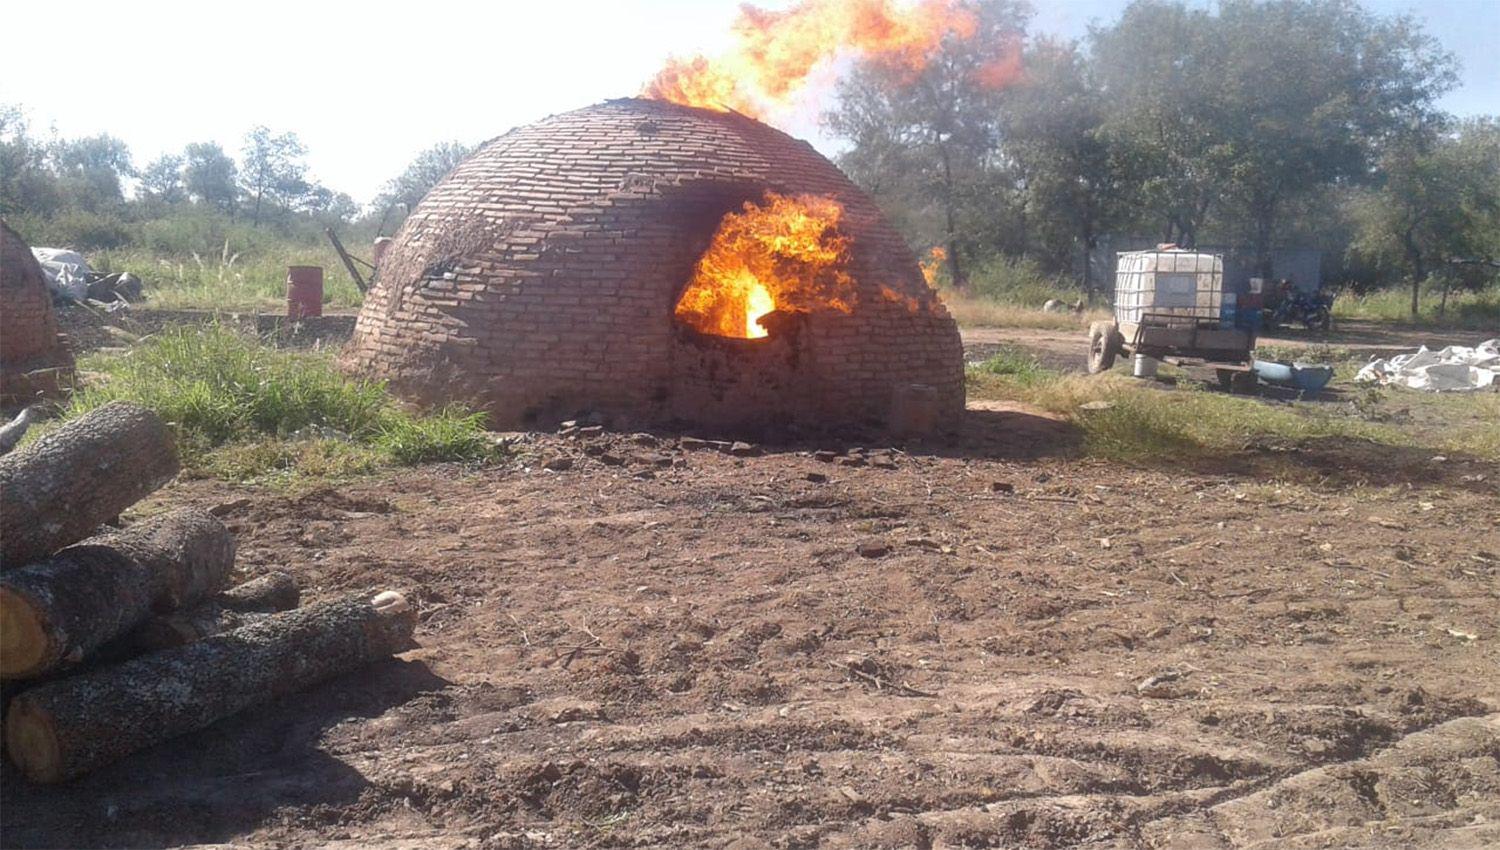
(1104, 345)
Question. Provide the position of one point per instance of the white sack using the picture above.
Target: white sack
(67, 271)
(1455, 368)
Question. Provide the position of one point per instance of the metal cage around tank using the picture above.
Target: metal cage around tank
(1168, 287)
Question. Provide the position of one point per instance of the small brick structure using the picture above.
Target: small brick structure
(34, 358)
(538, 281)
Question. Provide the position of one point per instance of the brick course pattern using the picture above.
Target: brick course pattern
(538, 280)
(34, 356)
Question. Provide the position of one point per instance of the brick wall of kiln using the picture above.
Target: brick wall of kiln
(539, 278)
(34, 358)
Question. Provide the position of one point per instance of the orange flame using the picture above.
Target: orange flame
(933, 264)
(911, 304)
(776, 52)
(784, 254)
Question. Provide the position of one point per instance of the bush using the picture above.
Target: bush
(238, 405)
(1468, 310)
(1015, 280)
(80, 230)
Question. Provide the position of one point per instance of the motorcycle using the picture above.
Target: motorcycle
(1313, 310)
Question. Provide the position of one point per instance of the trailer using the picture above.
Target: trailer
(1171, 306)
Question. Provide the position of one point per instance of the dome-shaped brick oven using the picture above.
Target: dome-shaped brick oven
(541, 278)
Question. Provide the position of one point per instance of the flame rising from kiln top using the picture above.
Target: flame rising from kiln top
(782, 254)
(776, 52)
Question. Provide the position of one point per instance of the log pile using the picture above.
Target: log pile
(116, 639)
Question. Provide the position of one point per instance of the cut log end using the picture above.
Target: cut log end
(26, 645)
(31, 741)
(390, 603)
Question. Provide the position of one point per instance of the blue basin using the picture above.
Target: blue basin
(1306, 377)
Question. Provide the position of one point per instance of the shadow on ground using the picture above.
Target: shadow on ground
(216, 784)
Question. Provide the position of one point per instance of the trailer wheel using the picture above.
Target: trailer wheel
(1104, 345)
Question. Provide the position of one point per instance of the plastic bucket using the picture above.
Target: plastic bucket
(304, 292)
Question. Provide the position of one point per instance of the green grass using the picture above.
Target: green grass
(1140, 422)
(971, 312)
(229, 281)
(244, 410)
(191, 258)
(1478, 311)
(1017, 365)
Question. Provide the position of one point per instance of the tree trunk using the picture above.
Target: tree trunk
(960, 281)
(59, 489)
(235, 607)
(1418, 269)
(66, 728)
(1265, 233)
(59, 610)
(1088, 262)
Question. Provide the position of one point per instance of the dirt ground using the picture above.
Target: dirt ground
(982, 644)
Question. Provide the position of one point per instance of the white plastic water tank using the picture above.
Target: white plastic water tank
(1168, 282)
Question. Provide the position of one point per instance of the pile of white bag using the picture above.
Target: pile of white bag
(1453, 369)
(67, 271)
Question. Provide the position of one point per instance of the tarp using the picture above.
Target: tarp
(1452, 369)
(67, 271)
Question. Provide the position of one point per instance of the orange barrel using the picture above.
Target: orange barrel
(304, 292)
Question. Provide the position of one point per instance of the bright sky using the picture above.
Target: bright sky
(367, 86)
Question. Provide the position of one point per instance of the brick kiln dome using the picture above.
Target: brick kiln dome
(539, 279)
(34, 357)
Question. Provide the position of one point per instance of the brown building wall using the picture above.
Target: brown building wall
(539, 279)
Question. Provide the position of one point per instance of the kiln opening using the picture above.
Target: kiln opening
(781, 255)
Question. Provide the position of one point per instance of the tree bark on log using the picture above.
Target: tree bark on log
(63, 729)
(59, 489)
(59, 610)
(238, 606)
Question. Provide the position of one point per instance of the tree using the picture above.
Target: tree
(1156, 67)
(26, 184)
(90, 170)
(1438, 205)
(327, 205)
(1310, 88)
(1076, 179)
(209, 175)
(272, 168)
(938, 124)
(1254, 107)
(424, 172)
(161, 181)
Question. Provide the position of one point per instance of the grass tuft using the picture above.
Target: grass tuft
(1019, 365)
(243, 409)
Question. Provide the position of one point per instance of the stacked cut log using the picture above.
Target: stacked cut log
(115, 639)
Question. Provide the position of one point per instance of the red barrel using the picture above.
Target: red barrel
(304, 292)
